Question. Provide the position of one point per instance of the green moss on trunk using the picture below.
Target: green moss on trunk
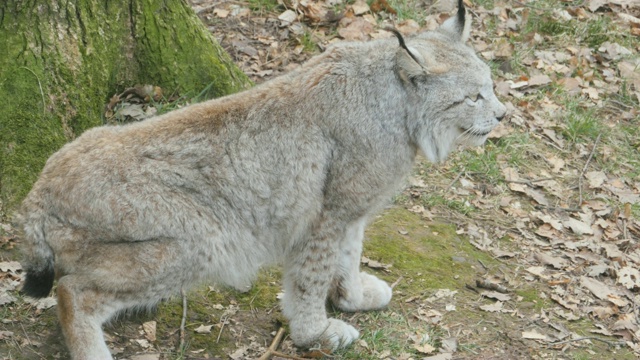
(62, 60)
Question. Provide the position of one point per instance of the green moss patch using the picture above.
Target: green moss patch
(427, 255)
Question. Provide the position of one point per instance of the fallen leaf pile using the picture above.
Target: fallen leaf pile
(562, 215)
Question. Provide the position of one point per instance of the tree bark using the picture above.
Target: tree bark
(61, 60)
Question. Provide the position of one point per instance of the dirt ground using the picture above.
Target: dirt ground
(524, 249)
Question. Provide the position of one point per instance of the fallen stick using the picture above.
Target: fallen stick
(610, 343)
(184, 319)
(271, 351)
(585, 168)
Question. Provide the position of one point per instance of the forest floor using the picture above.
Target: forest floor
(526, 248)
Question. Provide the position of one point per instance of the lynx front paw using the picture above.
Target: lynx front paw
(332, 335)
(367, 293)
(338, 334)
(376, 293)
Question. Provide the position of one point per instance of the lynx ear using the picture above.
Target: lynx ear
(459, 26)
(411, 63)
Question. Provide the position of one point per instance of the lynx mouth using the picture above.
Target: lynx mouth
(474, 132)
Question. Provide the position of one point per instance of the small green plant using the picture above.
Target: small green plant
(408, 11)
(597, 32)
(484, 164)
(581, 125)
(263, 5)
(307, 42)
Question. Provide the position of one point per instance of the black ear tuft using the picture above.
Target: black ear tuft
(458, 26)
(403, 45)
(461, 12)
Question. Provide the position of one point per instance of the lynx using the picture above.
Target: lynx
(287, 172)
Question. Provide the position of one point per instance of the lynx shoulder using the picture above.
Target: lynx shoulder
(287, 172)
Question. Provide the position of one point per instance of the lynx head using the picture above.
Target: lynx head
(449, 89)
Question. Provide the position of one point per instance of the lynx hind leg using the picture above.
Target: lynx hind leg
(353, 290)
(308, 277)
(81, 312)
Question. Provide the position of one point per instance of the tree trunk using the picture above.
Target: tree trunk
(61, 60)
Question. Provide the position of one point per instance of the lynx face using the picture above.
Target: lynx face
(458, 105)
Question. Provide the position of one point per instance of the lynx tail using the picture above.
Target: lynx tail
(39, 261)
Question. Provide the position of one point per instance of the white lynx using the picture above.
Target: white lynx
(287, 172)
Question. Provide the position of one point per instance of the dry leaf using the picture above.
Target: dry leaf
(240, 353)
(449, 344)
(355, 29)
(571, 85)
(502, 254)
(6, 298)
(595, 178)
(360, 7)
(382, 5)
(602, 312)
(496, 295)
(145, 357)
(10, 266)
(533, 335)
(563, 302)
(601, 330)
(203, 329)
(443, 356)
(408, 26)
(556, 162)
(547, 259)
(43, 303)
(495, 307)
(596, 270)
(287, 18)
(548, 219)
(567, 315)
(149, 330)
(373, 264)
(538, 80)
(629, 277)
(144, 343)
(578, 227)
(630, 71)
(505, 49)
(602, 291)
(424, 348)
(221, 13)
(537, 271)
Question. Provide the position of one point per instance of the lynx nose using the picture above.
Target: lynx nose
(501, 112)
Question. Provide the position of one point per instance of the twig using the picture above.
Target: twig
(544, 8)
(405, 316)
(396, 282)
(184, 318)
(287, 356)
(555, 208)
(485, 284)
(44, 106)
(455, 180)
(610, 343)
(271, 351)
(595, 145)
(274, 345)
(621, 104)
(529, 182)
(221, 328)
(470, 287)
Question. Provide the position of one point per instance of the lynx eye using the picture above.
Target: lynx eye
(475, 97)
